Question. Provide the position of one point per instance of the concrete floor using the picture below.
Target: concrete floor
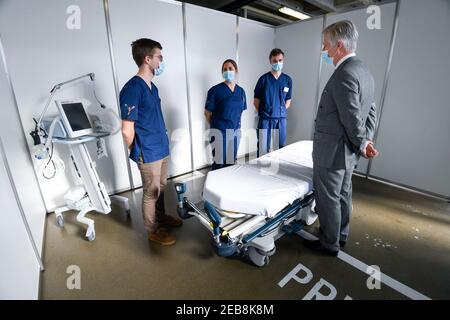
(406, 234)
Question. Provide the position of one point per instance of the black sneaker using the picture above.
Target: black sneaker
(316, 245)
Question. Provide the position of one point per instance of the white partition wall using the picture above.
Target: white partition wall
(19, 268)
(45, 45)
(255, 40)
(19, 160)
(414, 130)
(373, 49)
(163, 22)
(301, 43)
(211, 39)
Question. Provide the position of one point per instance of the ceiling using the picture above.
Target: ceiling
(267, 10)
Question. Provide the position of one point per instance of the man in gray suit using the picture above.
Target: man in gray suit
(344, 128)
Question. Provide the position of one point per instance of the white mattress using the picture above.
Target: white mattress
(265, 185)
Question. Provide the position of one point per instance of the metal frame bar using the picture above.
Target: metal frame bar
(286, 213)
(386, 79)
(116, 82)
(237, 39)
(188, 86)
(316, 107)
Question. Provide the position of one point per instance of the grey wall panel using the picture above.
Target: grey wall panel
(373, 50)
(19, 162)
(255, 42)
(211, 38)
(19, 269)
(165, 27)
(414, 130)
(301, 43)
(42, 51)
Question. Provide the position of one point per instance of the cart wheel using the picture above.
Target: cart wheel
(266, 261)
(91, 236)
(60, 221)
(128, 212)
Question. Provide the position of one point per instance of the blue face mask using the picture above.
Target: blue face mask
(277, 66)
(326, 58)
(228, 76)
(160, 69)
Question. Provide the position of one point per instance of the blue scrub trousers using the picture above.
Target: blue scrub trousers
(267, 127)
(228, 154)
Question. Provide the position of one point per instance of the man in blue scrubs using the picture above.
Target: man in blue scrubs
(145, 134)
(273, 93)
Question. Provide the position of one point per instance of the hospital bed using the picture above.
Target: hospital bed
(247, 207)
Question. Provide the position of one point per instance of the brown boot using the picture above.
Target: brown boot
(170, 222)
(161, 236)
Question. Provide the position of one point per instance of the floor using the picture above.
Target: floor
(405, 234)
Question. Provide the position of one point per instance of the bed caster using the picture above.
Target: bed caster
(224, 249)
(183, 213)
(258, 258)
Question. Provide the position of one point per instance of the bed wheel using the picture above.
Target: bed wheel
(257, 257)
(266, 261)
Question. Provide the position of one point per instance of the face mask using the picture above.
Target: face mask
(326, 58)
(228, 75)
(160, 69)
(277, 66)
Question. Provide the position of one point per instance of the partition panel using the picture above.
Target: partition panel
(414, 130)
(165, 27)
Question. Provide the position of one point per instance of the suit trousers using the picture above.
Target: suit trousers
(333, 194)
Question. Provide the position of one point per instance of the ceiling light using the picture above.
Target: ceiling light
(294, 13)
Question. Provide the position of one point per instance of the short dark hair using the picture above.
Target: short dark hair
(232, 62)
(275, 52)
(142, 48)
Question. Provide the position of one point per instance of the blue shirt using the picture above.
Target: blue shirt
(226, 106)
(273, 94)
(142, 105)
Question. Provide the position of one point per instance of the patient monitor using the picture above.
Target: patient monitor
(75, 118)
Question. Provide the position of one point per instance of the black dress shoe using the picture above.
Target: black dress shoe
(342, 243)
(317, 246)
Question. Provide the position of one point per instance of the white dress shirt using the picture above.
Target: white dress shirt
(345, 58)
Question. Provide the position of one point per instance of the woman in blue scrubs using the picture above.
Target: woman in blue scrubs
(223, 109)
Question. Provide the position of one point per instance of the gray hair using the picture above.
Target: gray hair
(344, 31)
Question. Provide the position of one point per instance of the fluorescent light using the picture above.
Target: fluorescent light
(294, 13)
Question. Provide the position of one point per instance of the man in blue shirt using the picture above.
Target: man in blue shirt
(145, 134)
(273, 93)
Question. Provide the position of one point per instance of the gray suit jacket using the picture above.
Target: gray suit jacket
(346, 117)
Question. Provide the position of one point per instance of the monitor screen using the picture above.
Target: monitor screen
(76, 116)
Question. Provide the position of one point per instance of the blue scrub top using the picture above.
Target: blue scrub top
(142, 105)
(273, 94)
(226, 106)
